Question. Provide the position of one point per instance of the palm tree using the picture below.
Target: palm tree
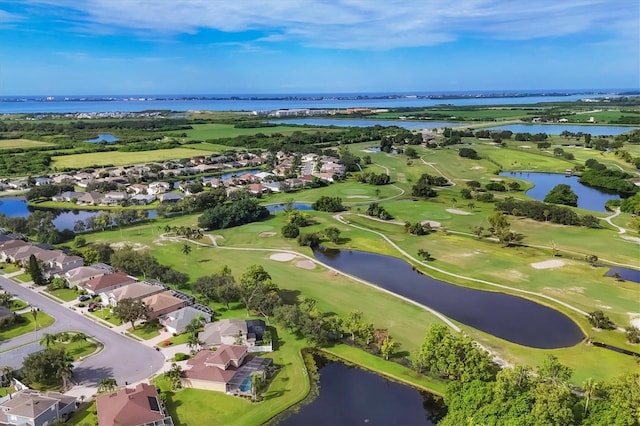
(79, 338)
(48, 340)
(64, 368)
(34, 313)
(590, 389)
(256, 384)
(193, 342)
(108, 384)
(186, 249)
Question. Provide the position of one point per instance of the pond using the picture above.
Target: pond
(626, 274)
(352, 396)
(349, 122)
(588, 198)
(556, 129)
(103, 137)
(508, 317)
(64, 218)
(275, 208)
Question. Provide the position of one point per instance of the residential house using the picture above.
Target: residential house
(68, 196)
(43, 181)
(63, 178)
(29, 407)
(114, 198)
(137, 188)
(170, 197)
(18, 184)
(257, 188)
(62, 263)
(107, 283)
(177, 321)
(228, 369)
(232, 331)
(91, 198)
(264, 176)
(136, 290)
(132, 407)
(81, 274)
(8, 248)
(162, 303)
(158, 187)
(272, 186)
(83, 176)
(142, 199)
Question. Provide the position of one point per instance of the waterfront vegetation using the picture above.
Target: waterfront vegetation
(461, 243)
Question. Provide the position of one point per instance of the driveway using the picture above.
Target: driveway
(122, 358)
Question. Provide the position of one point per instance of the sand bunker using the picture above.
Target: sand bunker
(305, 264)
(548, 264)
(267, 234)
(123, 244)
(635, 322)
(358, 196)
(477, 168)
(282, 257)
(431, 223)
(457, 211)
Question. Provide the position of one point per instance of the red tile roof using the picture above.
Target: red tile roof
(106, 281)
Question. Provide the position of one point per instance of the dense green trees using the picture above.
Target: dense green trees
(50, 367)
(468, 153)
(376, 210)
(373, 178)
(562, 194)
(35, 270)
(223, 216)
(328, 204)
(599, 176)
(141, 262)
(543, 212)
(599, 320)
(423, 188)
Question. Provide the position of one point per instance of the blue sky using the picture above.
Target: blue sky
(57, 47)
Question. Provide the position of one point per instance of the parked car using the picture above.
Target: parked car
(84, 297)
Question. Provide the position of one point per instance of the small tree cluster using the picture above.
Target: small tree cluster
(599, 320)
(418, 228)
(373, 178)
(376, 210)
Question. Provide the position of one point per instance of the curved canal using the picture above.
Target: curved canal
(508, 317)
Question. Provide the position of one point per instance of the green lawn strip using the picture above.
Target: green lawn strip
(86, 415)
(28, 326)
(116, 158)
(146, 331)
(66, 294)
(17, 304)
(204, 132)
(179, 339)
(22, 278)
(390, 369)
(77, 350)
(21, 143)
(106, 315)
(8, 268)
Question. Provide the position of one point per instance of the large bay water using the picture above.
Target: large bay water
(245, 103)
(556, 129)
(588, 198)
(508, 317)
(348, 122)
(352, 396)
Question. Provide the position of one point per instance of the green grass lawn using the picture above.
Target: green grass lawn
(179, 339)
(85, 415)
(21, 143)
(77, 350)
(66, 294)
(146, 331)
(17, 304)
(6, 390)
(106, 315)
(8, 268)
(22, 278)
(43, 320)
(208, 131)
(79, 161)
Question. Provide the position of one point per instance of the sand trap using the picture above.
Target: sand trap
(305, 264)
(282, 257)
(358, 196)
(477, 168)
(123, 244)
(267, 234)
(525, 146)
(635, 322)
(548, 264)
(432, 223)
(460, 212)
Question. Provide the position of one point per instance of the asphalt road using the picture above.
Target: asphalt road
(122, 358)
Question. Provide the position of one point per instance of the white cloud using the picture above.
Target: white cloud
(359, 24)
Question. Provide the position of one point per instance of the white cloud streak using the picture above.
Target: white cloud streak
(359, 24)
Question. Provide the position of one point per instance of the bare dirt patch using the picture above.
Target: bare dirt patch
(282, 257)
(458, 211)
(305, 264)
(267, 234)
(548, 264)
(431, 223)
(401, 178)
(123, 244)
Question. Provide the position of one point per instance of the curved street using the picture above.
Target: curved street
(122, 358)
